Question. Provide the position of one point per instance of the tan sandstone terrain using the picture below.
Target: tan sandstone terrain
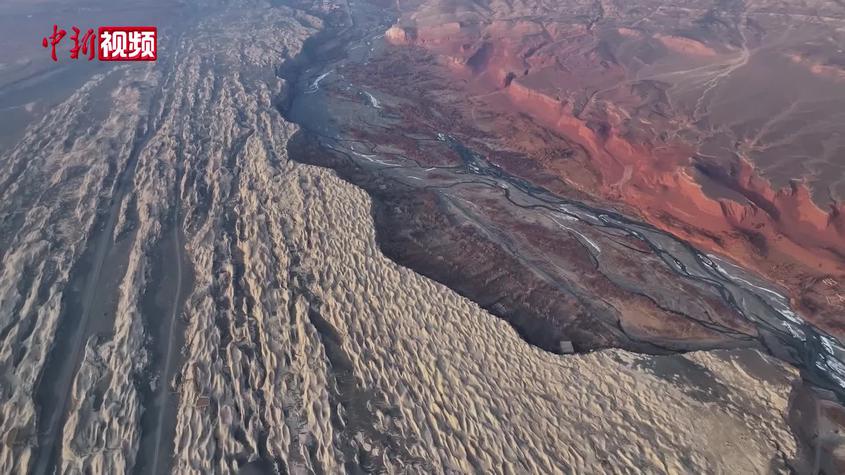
(177, 294)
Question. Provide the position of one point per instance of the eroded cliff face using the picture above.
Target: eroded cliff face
(704, 119)
(305, 349)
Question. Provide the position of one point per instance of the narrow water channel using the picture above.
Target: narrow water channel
(315, 76)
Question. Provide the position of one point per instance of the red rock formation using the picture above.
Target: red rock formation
(682, 45)
(638, 149)
(398, 36)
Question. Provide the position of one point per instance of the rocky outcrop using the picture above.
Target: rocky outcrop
(631, 98)
(306, 349)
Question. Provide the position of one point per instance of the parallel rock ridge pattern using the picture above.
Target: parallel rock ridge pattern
(305, 348)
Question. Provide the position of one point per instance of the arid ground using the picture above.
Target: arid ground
(433, 237)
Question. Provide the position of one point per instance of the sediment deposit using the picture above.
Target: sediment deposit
(708, 120)
(306, 349)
